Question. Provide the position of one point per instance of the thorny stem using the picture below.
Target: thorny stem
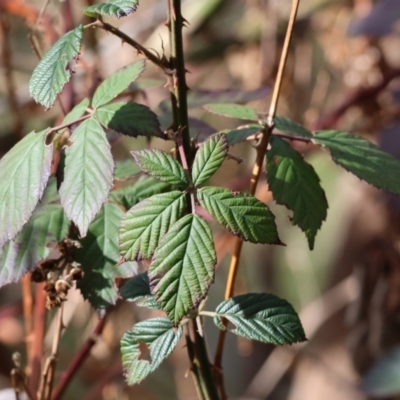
(261, 150)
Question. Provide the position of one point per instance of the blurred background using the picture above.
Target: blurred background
(343, 73)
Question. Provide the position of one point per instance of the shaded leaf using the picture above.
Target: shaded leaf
(126, 169)
(242, 132)
(263, 317)
(88, 174)
(182, 269)
(113, 8)
(209, 158)
(53, 72)
(130, 119)
(160, 337)
(99, 256)
(233, 111)
(146, 83)
(24, 172)
(362, 158)
(146, 223)
(241, 213)
(284, 124)
(295, 184)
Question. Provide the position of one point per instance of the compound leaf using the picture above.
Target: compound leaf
(117, 83)
(182, 269)
(99, 256)
(113, 8)
(161, 338)
(263, 317)
(77, 112)
(362, 158)
(240, 213)
(284, 124)
(147, 222)
(24, 173)
(209, 158)
(53, 72)
(233, 111)
(295, 184)
(88, 174)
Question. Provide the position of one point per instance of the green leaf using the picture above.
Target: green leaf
(284, 124)
(241, 213)
(130, 119)
(263, 317)
(88, 174)
(233, 111)
(162, 166)
(137, 289)
(53, 70)
(113, 8)
(183, 265)
(241, 133)
(144, 188)
(295, 184)
(146, 223)
(99, 256)
(362, 158)
(209, 158)
(78, 111)
(126, 169)
(48, 224)
(24, 172)
(117, 83)
(161, 338)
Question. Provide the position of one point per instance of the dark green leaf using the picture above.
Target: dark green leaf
(240, 213)
(233, 111)
(284, 124)
(159, 335)
(88, 174)
(146, 223)
(24, 172)
(53, 71)
(209, 158)
(99, 256)
(362, 158)
(130, 119)
(183, 267)
(78, 111)
(263, 317)
(117, 83)
(295, 184)
(113, 8)
(162, 166)
(241, 133)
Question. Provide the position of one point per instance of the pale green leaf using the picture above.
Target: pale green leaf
(78, 111)
(233, 111)
(130, 119)
(162, 166)
(241, 213)
(99, 257)
(286, 125)
(159, 336)
(241, 133)
(146, 223)
(88, 174)
(53, 70)
(113, 8)
(295, 184)
(126, 169)
(24, 172)
(362, 158)
(117, 83)
(263, 317)
(209, 158)
(183, 266)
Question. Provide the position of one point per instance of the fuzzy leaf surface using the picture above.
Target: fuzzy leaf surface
(209, 158)
(241, 213)
(99, 256)
(160, 337)
(183, 265)
(113, 8)
(362, 158)
(24, 173)
(162, 166)
(78, 111)
(241, 133)
(117, 83)
(233, 111)
(130, 119)
(295, 184)
(146, 223)
(88, 176)
(263, 317)
(53, 72)
(286, 125)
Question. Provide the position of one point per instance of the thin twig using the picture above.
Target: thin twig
(28, 313)
(68, 124)
(261, 150)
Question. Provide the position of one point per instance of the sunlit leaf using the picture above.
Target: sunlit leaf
(78, 111)
(241, 133)
(113, 8)
(233, 111)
